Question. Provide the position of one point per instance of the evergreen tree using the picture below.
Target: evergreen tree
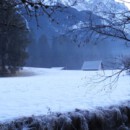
(14, 37)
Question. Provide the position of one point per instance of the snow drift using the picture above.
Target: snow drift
(113, 118)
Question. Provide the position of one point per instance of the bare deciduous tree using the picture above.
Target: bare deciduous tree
(117, 25)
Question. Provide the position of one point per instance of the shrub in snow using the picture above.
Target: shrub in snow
(113, 118)
(97, 120)
(126, 63)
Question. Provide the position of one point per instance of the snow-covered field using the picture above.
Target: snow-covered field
(39, 91)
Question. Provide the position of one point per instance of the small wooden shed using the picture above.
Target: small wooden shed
(92, 65)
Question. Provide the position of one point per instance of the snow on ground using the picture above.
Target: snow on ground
(37, 91)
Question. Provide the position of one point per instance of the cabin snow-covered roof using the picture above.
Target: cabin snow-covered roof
(92, 65)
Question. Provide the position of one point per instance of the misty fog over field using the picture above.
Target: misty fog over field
(55, 44)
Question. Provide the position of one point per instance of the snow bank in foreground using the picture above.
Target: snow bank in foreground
(38, 91)
(114, 118)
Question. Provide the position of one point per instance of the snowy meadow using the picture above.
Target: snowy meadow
(41, 91)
